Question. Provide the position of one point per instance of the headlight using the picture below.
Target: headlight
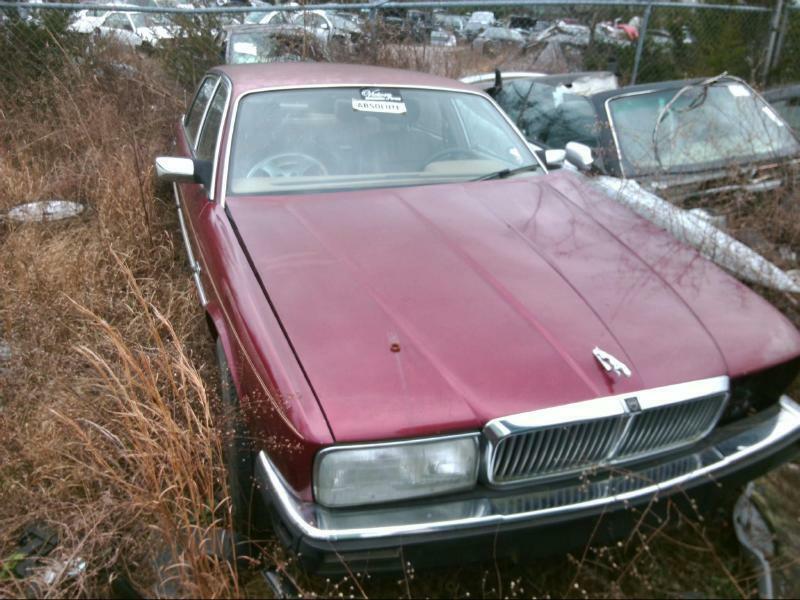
(755, 392)
(372, 473)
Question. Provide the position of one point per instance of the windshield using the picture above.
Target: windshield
(549, 115)
(275, 45)
(349, 138)
(706, 127)
(147, 19)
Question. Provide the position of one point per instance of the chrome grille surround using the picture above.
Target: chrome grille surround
(570, 439)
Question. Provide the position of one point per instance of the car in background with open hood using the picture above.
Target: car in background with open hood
(703, 145)
(683, 139)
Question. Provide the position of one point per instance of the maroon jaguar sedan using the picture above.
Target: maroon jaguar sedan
(425, 338)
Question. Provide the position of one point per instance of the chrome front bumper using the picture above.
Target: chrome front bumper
(726, 451)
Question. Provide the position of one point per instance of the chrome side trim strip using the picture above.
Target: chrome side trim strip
(735, 444)
(193, 264)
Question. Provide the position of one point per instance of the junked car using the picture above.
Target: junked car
(131, 28)
(565, 31)
(493, 41)
(425, 338)
(451, 23)
(328, 26)
(245, 44)
(681, 138)
(691, 139)
(477, 22)
(550, 110)
(443, 37)
(689, 142)
(786, 101)
(268, 17)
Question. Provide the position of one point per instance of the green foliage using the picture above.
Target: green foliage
(34, 44)
(788, 67)
(196, 47)
(686, 43)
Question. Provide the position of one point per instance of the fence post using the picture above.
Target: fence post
(774, 28)
(640, 44)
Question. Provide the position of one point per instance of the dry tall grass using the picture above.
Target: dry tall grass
(105, 417)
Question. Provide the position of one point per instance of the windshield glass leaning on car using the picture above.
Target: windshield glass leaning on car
(706, 127)
(326, 139)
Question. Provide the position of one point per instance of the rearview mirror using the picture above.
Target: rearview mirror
(175, 169)
(579, 155)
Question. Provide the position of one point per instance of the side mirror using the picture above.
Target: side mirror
(175, 169)
(555, 158)
(579, 155)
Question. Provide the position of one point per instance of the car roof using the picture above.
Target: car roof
(486, 80)
(262, 28)
(659, 85)
(248, 77)
(783, 92)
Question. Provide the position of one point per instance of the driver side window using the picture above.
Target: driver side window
(195, 115)
(207, 143)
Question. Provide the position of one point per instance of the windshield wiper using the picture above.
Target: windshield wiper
(503, 173)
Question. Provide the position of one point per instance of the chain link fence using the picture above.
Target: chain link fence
(786, 61)
(640, 42)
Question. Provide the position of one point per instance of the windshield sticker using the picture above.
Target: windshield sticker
(738, 90)
(380, 101)
(558, 96)
(772, 116)
(245, 48)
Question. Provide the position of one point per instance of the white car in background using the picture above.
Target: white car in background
(132, 28)
(269, 17)
(478, 21)
(327, 26)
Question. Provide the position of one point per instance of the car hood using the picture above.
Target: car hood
(430, 309)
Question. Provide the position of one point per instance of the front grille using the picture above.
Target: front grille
(564, 448)
(556, 449)
(670, 426)
(612, 485)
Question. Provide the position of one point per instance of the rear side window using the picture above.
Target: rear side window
(208, 137)
(195, 114)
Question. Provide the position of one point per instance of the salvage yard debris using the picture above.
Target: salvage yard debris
(45, 210)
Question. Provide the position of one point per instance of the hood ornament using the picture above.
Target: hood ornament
(610, 363)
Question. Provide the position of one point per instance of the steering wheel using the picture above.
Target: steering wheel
(452, 153)
(290, 164)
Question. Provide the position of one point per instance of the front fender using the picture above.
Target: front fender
(232, 352)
